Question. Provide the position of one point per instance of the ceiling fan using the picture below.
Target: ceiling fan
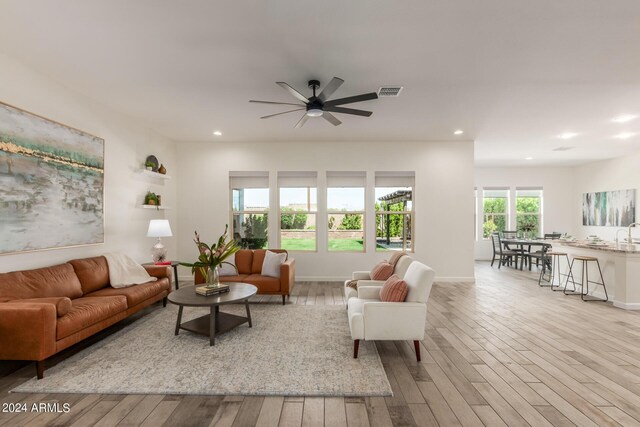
(319, 106)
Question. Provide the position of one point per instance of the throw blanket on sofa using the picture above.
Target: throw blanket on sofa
(123, 271)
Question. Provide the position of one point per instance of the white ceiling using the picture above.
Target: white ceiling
(511, 73)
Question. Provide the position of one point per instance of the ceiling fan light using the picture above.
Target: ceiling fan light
(314, 112)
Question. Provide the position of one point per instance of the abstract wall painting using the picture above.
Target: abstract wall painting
(51, 184)
(609, 208)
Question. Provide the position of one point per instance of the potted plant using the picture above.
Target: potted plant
(149, 166)
(213, 256)
(151, 199)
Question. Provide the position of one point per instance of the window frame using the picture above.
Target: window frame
(248, 176)
(538, 214)
(307, 212)
(363, 213)
(405, 213)
(507, 211)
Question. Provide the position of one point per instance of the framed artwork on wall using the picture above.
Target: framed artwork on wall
(609, 208)
(51, 184)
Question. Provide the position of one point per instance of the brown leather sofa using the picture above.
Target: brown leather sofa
(46, 310)
(249, 265)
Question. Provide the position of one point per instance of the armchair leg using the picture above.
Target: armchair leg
(164, 301)
(356, 343)
(416, 344)
(40, 369)
(283, 299)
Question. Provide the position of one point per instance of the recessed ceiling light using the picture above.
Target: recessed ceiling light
(624, 135)
(528, 158)
(458, 132)
(217, 133)
(567, 135)
(624, 118)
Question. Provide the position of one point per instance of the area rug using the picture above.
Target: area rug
(290, 350)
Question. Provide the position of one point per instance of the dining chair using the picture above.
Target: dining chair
(552, 236)
(503, 255)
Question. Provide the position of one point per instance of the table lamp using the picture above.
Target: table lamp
(159, 228)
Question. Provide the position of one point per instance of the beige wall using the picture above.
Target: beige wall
(126, 146)
(443, 196)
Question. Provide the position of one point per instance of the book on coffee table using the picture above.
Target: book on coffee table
(212, 290)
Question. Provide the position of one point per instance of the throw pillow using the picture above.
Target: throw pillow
(229, 270)
(395, 258)
(352, 284)
(272, 262)
(382, 271)
(394, 290)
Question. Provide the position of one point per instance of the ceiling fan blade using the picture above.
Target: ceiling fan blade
(302, 121)
(284, 112)
(292, 91)
(351, 99)
(329, 89)
(331, 118)
(276, 103)
(348, 111)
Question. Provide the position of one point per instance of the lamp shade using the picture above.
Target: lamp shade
(159, 228)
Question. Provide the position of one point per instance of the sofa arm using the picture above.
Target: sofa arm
(360, 275)
(62, 304)
(287, 276)
(27, 331)
(369, 292)
(394, 320)
(158, 271)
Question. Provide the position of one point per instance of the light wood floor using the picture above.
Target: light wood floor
(500, 352)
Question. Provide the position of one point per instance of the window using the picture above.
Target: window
(298, 209)
(250, 208)
(529, 212)
(495, 202)
(345, 211)
(394, 211)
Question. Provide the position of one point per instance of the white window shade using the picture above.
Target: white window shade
(249, 179)
(528, 192)
(495, 192)
(297, 179)
(346, 179)
(395, 179)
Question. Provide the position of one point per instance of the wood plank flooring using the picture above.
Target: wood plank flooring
(499, 352)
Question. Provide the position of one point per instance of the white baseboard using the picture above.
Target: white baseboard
(455, 279)
(627, 306)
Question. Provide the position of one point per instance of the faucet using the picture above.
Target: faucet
(618, 234)
(630, 226)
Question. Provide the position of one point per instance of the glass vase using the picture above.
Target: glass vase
(213, 277)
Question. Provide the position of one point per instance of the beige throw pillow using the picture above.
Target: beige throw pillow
(272, 262)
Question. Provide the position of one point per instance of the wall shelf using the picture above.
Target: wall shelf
(160, 208)
(154, 174)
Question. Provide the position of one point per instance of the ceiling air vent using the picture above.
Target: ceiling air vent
(389, 91)
(562, 148)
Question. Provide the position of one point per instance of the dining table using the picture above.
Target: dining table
(521, 243)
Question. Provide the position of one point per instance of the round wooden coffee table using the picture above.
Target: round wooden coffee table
(216, 322)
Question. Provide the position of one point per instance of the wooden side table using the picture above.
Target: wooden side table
(175, 265)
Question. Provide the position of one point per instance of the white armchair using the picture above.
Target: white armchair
(364, 279)
(372, 319)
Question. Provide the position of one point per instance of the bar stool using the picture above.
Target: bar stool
(555, 271)
(585, 279)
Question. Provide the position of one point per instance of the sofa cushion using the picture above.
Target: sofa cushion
(137, 293)
(264, 283)
(92, 272)
(258, 260)
(382, 271)
(394, 290)
(63, 304)
(87, 311)
(57, 281)
(236, 278)
(244, 259)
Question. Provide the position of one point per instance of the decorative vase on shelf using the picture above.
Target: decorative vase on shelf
(162, 170)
